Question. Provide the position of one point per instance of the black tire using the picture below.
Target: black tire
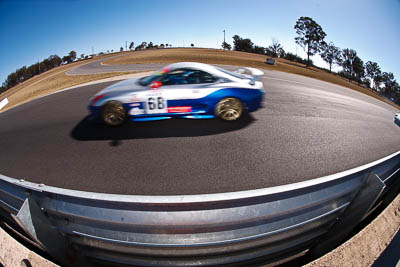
(113, 113)
(229, 109)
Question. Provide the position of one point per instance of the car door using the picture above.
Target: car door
(180, 92)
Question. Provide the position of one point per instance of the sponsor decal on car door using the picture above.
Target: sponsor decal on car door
(155, 103)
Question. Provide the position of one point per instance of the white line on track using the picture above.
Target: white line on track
(3, 103)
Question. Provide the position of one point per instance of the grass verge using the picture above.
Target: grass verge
(52, 81)
(50, 84)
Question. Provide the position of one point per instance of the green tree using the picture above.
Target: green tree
(358, 69)
(55, 60)
(331, 54)
(66, 59)
(373, 71)
(349, 56)
(258, 50)
(192, 45)
(12, 80)
(150, 45)
(131, 46)
(46, 65)
(121, 49)
(276, 49)
(31, 71)
(72, 55)
(390, 84)
(310, 36)
(240, 44)
(226, 46)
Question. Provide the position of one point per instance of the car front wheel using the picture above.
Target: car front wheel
(113, 113)
(229, 109)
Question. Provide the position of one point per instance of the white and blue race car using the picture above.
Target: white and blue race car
(185, 90)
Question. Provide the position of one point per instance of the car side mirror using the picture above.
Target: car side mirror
(155, 85)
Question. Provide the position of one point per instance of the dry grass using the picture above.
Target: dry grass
(52, 83)
(214, 56)
(49, 74)
(55, 79)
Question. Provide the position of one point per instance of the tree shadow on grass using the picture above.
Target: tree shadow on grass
(86, 130)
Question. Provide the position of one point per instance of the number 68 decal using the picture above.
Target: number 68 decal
(156, 105)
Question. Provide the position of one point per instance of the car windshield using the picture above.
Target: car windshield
(154, 77)
(236, 75)
(149, 79)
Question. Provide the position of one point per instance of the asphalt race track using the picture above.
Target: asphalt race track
(307, 129)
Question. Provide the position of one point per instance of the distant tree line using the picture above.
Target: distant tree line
(147, 45)
(150, 45)
(25, 73)
(311, 37)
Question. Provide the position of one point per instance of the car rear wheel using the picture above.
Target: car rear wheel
(113, 113)
(229, 109)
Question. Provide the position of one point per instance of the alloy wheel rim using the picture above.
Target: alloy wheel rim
(229, 109)
(114, 114)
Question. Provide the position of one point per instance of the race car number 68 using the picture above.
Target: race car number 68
(156, 105)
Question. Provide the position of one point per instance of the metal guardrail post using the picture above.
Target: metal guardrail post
(34, 222)
(363, 201)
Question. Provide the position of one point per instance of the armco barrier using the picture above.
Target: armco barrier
(267, 225)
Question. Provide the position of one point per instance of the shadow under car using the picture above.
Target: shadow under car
(86, 130)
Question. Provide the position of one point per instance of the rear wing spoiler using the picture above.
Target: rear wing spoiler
(255, 74)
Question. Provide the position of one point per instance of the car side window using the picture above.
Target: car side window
(175, 77)
(187, 76)
(203, 77)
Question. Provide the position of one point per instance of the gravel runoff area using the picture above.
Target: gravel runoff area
(14, 254)
(370, 246)
(363, 249)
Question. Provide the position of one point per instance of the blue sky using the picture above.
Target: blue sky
(33, 30)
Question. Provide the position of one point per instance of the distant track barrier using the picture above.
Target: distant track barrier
(264, 225)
